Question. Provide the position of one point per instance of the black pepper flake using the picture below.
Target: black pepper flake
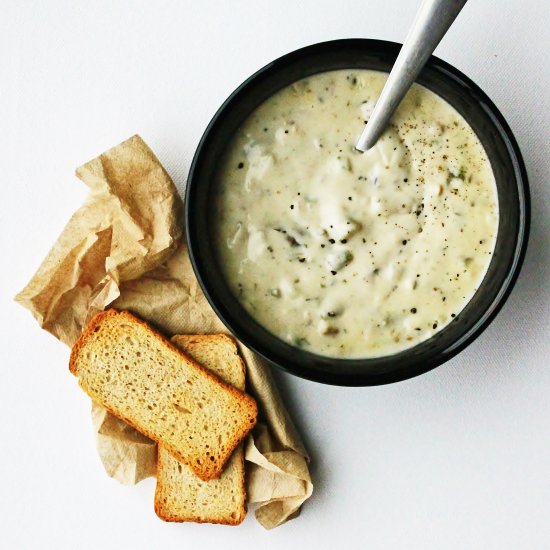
(344, 241)
(404, 241)
(453, 315)
(364, 240)
(331, 241)
(292, 241)
(434, 326)
(292, 207)
(413, 310)
(240, 165)
(334, 272)
(349, 198)
(322, 246)
(302, 260)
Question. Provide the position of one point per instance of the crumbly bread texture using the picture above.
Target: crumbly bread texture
(142, 378)
(180, 495)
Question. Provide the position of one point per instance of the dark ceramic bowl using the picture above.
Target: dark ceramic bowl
(513, 196)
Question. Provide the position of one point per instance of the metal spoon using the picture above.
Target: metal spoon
(430, 25)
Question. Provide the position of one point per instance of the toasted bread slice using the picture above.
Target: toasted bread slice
(180, 495)
(145, 380)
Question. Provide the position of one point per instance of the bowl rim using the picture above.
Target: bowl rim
(513, 270)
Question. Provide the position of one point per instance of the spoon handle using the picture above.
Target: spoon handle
(430, 25)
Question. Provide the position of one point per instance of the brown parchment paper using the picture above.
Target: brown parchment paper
(123, 249)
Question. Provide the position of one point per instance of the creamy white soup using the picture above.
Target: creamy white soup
(349, 254)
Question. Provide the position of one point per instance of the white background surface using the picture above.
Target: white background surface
(458, 458)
